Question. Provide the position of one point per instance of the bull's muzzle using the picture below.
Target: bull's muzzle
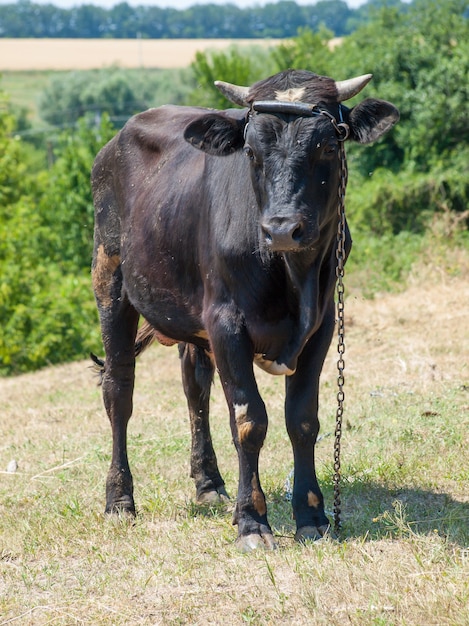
(282, 234)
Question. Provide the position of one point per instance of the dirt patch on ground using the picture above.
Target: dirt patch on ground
(416, 338)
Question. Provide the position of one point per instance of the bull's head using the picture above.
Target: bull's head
(290, 135)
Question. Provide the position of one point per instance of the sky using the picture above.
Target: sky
(175, 4)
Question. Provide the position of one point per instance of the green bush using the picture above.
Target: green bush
(308, 51)
(66, 204)
(389, 202)
(47, 308)
(240, 67)
(419, 61)
(50, 317)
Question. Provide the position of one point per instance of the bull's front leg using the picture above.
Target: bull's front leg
(248, 419)
(301, 412)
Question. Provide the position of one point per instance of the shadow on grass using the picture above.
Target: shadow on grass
(375, 511)
(370, 512)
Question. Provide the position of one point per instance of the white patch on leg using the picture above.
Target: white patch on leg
(240, 412)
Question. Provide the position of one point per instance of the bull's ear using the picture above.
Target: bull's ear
(215, 134)
(371, 119)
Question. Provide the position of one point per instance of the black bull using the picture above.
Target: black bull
(219, 229)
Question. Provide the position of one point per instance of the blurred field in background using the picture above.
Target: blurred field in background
(85, 54)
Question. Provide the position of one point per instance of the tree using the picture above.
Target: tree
(331, 14)
(281, 19)
(14, 181)
(275, 19)
(119, 92)
(66, 205)
(307, 51)
(420, 61)
(233, 66)
(115, 91)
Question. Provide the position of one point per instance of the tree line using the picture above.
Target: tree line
(206, 21)
(398, 187)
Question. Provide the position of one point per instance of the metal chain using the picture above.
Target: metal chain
(340, 255)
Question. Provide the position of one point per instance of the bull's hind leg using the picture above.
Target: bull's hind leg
(197, 375)
(118, 327)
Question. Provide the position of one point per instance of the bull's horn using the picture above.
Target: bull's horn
(234, 93)
(346, 89)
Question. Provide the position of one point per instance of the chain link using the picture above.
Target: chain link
(340, 255)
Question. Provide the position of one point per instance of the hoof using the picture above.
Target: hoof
(215, 496)
(249, 543)
(124, 508)
(313, 533)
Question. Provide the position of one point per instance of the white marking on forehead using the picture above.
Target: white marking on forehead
(241, 412)
(290, 95)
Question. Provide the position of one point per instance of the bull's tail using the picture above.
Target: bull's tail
(98, 367)
(146, 335)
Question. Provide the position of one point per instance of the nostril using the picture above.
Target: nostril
(297, 233)
(267, 234)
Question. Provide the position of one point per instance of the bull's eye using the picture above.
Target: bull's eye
(329, 149)
(249, 153)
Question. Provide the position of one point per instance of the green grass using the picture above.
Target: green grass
(25, 88)
(403, 558)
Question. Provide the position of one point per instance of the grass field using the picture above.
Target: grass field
(24, 88)
(403, 558)
(85, 54)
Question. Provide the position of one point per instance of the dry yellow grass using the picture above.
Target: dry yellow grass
(85, 54)
(404, 558)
